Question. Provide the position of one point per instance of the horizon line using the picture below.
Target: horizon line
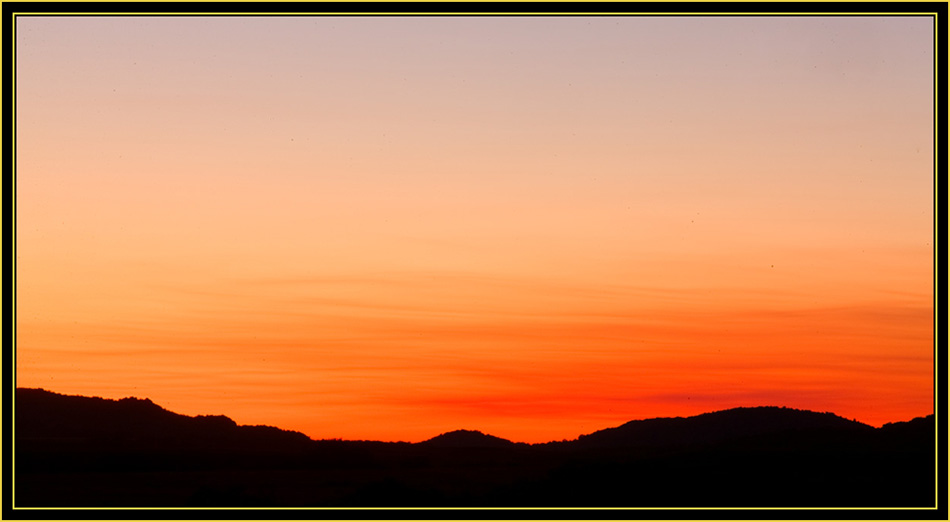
(476, 431)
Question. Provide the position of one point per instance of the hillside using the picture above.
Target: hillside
(46, 419)
(714, 427)
(84, 451)
(467, 439)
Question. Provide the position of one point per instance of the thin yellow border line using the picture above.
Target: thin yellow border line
(936, 239)
(455, 14)
(13, 311)
(934, 15)
(475, 508)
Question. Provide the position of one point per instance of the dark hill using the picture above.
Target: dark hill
(467, 439)
(91, 452)
(716, 427)
(47, 419)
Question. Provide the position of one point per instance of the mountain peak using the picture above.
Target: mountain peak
(467, 439)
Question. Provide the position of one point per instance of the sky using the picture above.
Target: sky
(389, 228)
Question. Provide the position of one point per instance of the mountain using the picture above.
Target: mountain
(750, 457)
(715, 427)
(467, 439)
(73, 451)
(47, 419)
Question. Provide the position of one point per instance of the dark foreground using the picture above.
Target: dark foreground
(89, 452)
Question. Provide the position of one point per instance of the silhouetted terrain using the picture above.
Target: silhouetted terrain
(80, 451)
(467, 439)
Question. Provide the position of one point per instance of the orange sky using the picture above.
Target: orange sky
(389, 228)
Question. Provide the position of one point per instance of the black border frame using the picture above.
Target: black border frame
(937, 9)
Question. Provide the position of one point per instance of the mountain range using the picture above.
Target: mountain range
(73, 451)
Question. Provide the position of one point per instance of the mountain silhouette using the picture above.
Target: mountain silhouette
(714, 427)
(467, 439)
(46, 418)
(73, 451)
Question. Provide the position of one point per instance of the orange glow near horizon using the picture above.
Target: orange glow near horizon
(391, 228)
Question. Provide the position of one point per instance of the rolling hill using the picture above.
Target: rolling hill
(75, 451)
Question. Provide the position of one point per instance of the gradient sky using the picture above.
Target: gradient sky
(389, 228)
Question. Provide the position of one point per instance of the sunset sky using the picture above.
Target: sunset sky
(393, 227)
